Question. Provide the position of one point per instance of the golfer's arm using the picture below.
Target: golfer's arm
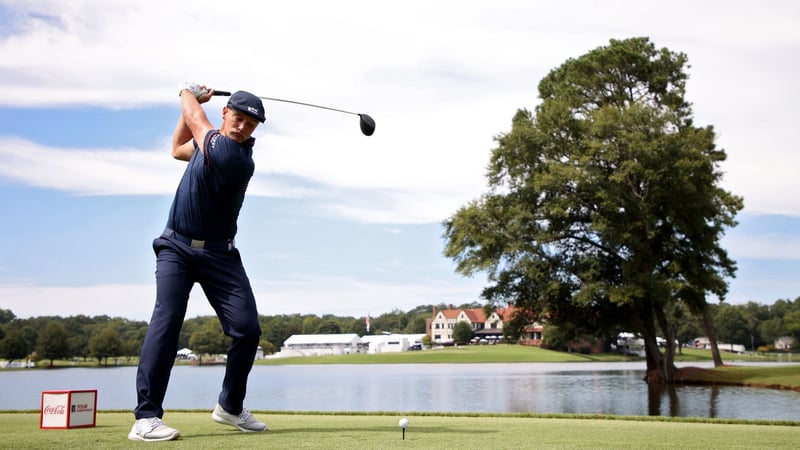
(182, 146)
(193, 123)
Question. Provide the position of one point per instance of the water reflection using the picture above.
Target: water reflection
(582, 388)
(655, 393)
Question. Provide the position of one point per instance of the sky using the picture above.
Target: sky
(336, 222)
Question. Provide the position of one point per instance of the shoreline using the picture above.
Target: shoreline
(698, 376)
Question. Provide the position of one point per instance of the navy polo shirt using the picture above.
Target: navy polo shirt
(211, 192)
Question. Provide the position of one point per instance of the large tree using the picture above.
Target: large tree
(604, 208)
(731, 326)
(105, 342)
(53, 342)
(209, 339)
(14, 346)
(462, 332)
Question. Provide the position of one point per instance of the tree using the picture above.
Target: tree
(310, 324)
(105, 342)
(731, 326)
(427, 341)
(267, 347)
(14, 346)
(357, 326)
(688, 328)
(792, 323)
(393, 322)
(328, 326)
(6, 316)
(53, 342)
(134, 341)
(772, 329)
(604, 208)
(416, 325)
(462, 332)
(209, 339)
(276, 329)
(754, 313)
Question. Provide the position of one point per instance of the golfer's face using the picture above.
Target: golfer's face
(236, 125)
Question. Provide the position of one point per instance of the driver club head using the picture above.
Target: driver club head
(367, 124)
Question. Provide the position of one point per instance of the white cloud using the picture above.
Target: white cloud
(439, 78)
(411, 199)
(89, 171)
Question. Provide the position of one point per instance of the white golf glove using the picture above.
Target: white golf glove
(192, 87)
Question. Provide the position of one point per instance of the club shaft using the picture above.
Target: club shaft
(226, 93)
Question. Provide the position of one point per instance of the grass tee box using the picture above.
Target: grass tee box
(68, 409)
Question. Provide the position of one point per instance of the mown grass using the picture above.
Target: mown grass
(495, 353)
(380, 430)
(462, 354)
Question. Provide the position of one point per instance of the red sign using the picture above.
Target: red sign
(68, 409)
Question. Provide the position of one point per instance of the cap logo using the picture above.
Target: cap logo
(252, 110)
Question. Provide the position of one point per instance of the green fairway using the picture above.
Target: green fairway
(503, 353)
(381, 431)
(461, 354)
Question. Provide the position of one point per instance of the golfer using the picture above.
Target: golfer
(197, 246)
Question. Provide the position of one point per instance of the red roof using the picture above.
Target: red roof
(475, 315)
(450, 313)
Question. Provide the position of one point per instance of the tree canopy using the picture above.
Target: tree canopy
(462, 332)
(53, 342)
(604, 210)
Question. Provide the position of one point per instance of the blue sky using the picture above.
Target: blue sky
(336, 222)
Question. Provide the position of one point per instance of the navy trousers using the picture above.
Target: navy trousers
(222, 276)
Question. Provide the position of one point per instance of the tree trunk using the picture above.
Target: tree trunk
(655, 370)
(668, 361)
(712, 338)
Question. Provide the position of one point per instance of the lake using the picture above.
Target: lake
(583, 388)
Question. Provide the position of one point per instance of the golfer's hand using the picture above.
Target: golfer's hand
(196, 89)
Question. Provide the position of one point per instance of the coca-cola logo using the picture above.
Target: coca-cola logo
(56, 410)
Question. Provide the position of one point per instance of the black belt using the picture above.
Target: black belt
(195, 243)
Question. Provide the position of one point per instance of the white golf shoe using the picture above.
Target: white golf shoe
(244, 421)
(152, 429)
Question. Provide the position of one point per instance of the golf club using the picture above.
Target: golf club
(365, 121)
